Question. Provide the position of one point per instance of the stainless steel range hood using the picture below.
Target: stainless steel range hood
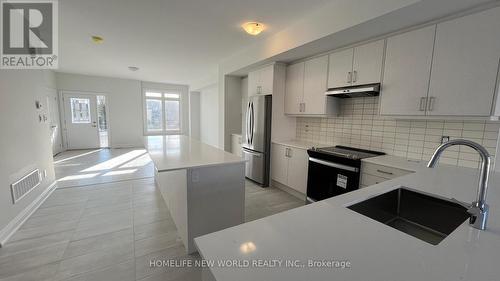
(369, 90)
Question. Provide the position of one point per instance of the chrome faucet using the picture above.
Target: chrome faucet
(478, 209)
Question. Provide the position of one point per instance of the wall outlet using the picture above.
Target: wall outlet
(195, 176)
(445, 139)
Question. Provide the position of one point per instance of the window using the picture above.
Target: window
(162, 112)
(80, 111)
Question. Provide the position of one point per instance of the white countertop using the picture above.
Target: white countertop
(181, 152)
(398, 162)
(327, 230)
(299, 144)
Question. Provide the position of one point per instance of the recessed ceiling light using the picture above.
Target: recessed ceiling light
(97, 39)
(253, 28)
(133, 68)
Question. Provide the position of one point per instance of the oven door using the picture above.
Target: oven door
(327, 179)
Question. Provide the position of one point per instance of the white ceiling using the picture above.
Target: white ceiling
(173, 41)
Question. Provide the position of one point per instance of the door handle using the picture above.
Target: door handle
(247, 117)
(423, 103)
(385, 172)
(288, 152)
(252, 153)
(431, 103)
(252, 122)
(355, 76)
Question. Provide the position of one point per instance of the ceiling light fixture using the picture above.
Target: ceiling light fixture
(253, 28)
(133, 68)
(97, 39)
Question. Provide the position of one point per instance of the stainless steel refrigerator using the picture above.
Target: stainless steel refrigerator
(257, 139)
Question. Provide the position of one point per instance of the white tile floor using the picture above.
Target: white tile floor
(86, 167)
(110, 231)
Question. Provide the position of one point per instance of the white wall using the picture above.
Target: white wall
(124, 104)
(209, 109)
(25, 142)
(233, 110)
(194, 115)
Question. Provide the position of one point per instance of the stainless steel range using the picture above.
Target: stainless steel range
(334, 171)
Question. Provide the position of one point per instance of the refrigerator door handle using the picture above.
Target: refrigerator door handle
(248, 124)
(258, 155)
(252, 122)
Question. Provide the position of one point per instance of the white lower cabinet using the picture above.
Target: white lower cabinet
(279, 163)
(236, 145)
(372, 174)
(289, 166)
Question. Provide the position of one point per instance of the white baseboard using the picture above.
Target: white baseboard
(288, 190)
(18, 221)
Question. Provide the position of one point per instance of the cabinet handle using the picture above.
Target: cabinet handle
(290, 153)
(384, 172)
(431, 103)
(355, 76)
(304, 107)
(349, 77)
(423, 102)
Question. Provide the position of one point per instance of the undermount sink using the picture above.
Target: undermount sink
(422, 216)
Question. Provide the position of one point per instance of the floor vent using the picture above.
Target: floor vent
(26, 184)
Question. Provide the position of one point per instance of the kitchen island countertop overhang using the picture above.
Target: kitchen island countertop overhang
(203, 186)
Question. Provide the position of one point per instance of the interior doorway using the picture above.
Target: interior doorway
(54, 121)
(85, 120)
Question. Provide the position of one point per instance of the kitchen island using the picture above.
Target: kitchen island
(358, 247)
(203, 186)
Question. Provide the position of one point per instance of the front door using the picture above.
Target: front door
(80, 111)
(55, 128)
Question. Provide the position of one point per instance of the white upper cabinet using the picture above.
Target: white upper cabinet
(306, 87)
(294, 89)
(260, 81)
(267, 80)
(367, 63)
(356, 66)
(407, 72)
(315, 79)
(340, 69)
(465, 65)
(253, 83)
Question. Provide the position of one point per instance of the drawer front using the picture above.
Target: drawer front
(368, 180)
(383, 171)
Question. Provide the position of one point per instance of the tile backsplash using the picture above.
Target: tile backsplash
(359, 125)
